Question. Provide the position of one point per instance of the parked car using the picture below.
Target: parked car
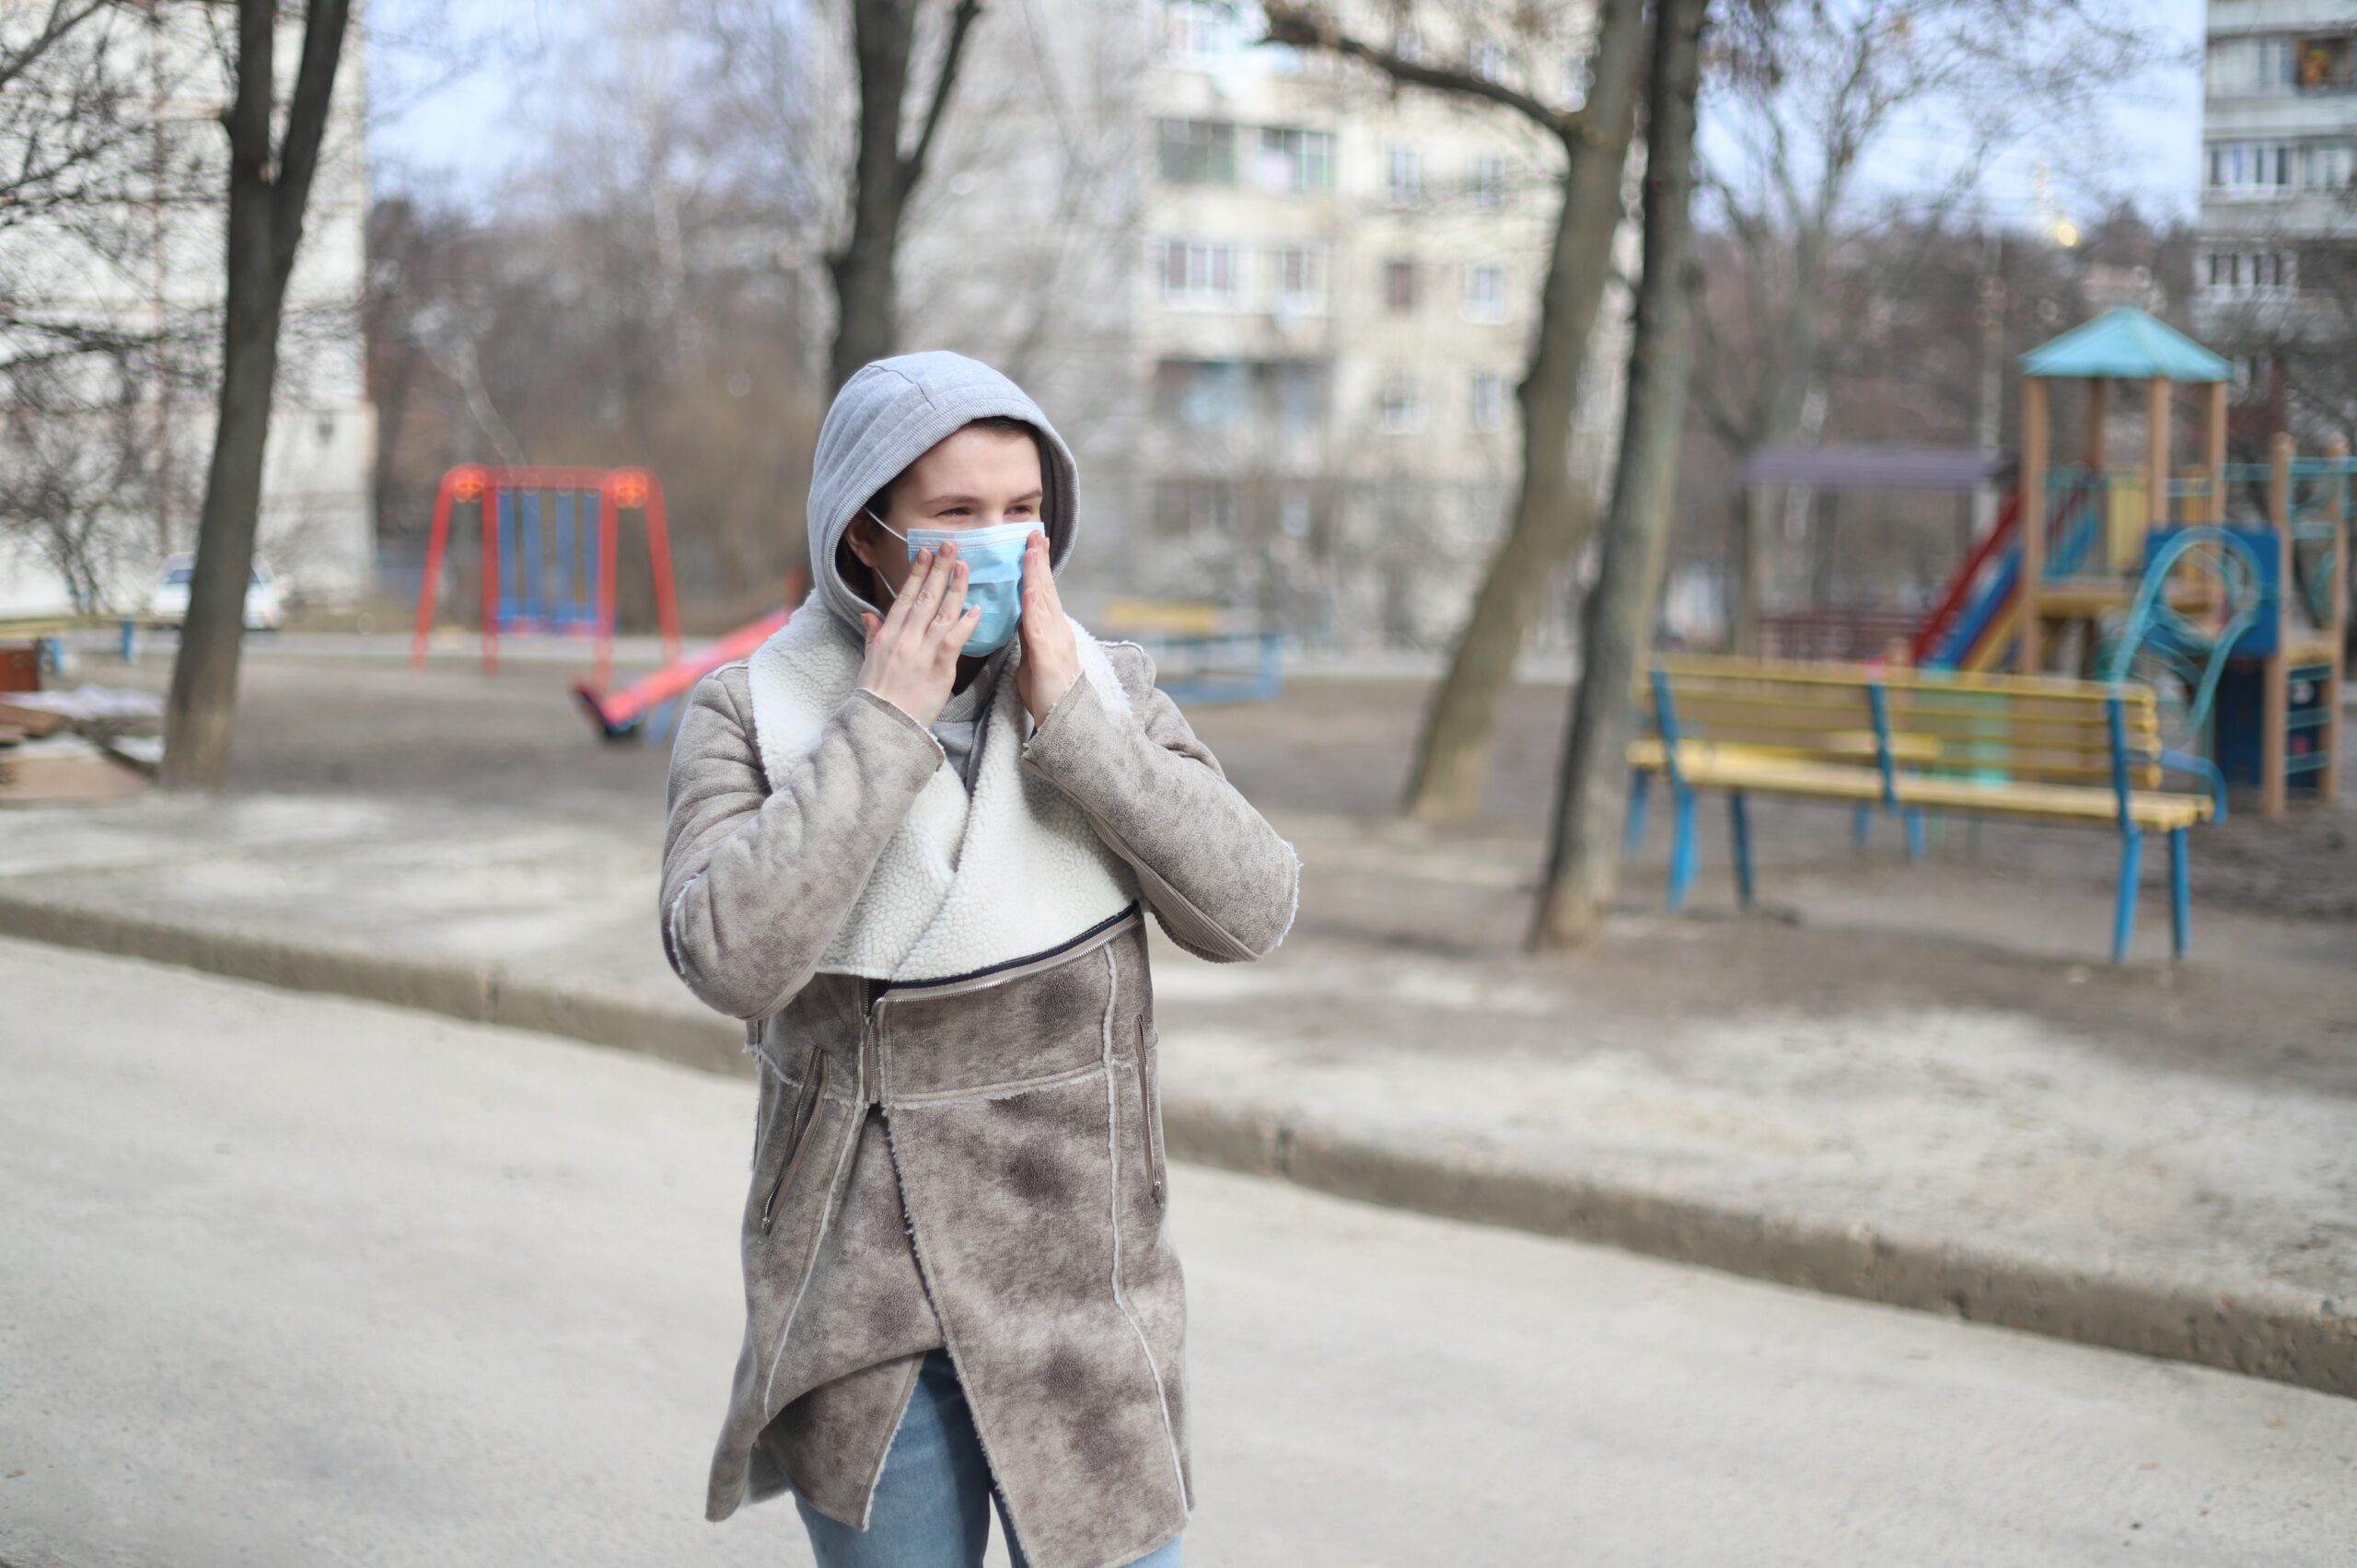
(168, 606)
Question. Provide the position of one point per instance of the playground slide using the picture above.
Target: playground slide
(1932, 639)
(1971, 630)
(621, 713)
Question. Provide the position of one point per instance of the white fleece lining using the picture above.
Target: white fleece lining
(1113, 1165)
(967, 881)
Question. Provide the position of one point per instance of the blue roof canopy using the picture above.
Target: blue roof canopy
(2125, 344)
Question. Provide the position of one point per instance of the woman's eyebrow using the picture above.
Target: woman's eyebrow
(1031, 494)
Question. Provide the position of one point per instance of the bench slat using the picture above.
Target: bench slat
(1708, 766)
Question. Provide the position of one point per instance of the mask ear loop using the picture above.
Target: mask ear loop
(894, 598)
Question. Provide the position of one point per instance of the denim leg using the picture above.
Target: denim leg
(932, 1502)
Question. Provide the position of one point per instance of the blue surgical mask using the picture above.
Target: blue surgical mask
(993, 558)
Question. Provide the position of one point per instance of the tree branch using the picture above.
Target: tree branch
(943, 81)
(306, 120)
(1304, 28)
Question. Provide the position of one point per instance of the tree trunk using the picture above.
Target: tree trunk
(867, 310)
(1551, 516)
(1753, 509)
(267, 197)
(200, 714)
(867, 294)
(1584, 854)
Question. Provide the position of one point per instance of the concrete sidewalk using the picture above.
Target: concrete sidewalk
(2055, 1148)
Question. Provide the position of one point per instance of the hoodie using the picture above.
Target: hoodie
(888, 415)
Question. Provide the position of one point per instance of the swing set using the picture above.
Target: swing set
(550, 543)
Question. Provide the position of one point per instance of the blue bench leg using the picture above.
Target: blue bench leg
(2123, 919)
(1640, 796)
(2180, 896)
(1740, 821)
(1915, 836)
(1682, 849)
(1860, 820)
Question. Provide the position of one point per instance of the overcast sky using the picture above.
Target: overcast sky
(447, 80)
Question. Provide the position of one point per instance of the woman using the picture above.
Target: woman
(912, 841)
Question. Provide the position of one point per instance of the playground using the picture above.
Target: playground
(2126, 648)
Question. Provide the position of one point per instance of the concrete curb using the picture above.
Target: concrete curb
(2262, 1331)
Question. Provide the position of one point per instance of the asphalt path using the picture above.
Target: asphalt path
(290, 1280)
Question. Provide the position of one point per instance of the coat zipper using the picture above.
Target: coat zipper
(813, 1098)
(1145, 1115)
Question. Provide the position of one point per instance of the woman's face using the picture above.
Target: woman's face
(973, 478)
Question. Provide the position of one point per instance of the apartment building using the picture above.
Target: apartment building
(1296, 361)
(133, 250)
(2279, 150)
(1338, 295)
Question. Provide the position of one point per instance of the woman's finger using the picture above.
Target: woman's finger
(953, 639)
(953, 598)
(897, 616)
(1040, 577)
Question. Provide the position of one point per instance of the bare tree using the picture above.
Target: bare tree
(1806, 93)
(1582, 855)
(270, 184)
(75, 460)
(1551, 515)
(87, 349)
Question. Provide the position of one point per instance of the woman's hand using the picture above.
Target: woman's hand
(913, 647)
(1050, 660)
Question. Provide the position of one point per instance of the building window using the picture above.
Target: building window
(2251, 168)
(1198, 152)
(1489, 61)
(1408, 44)
(1295, 160)
(2276, 63)
(2324, 165)
(1405, 178)
(1489, 411)
(1399, 406)
(1198, 273)
(1293, 277)
(1485, 294)
(1203, 394)
(1489, 180)
(1296, 392)
(2249, 272)
(2245, 66)
(1183, 507)
(1200, 30)
(1399, 279)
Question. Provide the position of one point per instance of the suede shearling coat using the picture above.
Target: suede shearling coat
(958, 1134)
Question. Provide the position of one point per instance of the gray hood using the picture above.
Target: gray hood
(888, 414)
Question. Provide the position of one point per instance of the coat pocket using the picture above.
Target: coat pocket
(1149, 1117)
(796, 1131)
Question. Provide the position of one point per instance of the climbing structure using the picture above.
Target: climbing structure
(2139, 575)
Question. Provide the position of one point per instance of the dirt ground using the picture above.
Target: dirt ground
(1338, 746)
(2271, 989)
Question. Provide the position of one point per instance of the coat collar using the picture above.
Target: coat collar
(967, 881)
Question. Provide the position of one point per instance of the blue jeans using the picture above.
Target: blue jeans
(932, 1500)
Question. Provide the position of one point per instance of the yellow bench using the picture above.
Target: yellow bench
(2030, 747)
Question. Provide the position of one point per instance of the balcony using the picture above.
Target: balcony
(2326, 64)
